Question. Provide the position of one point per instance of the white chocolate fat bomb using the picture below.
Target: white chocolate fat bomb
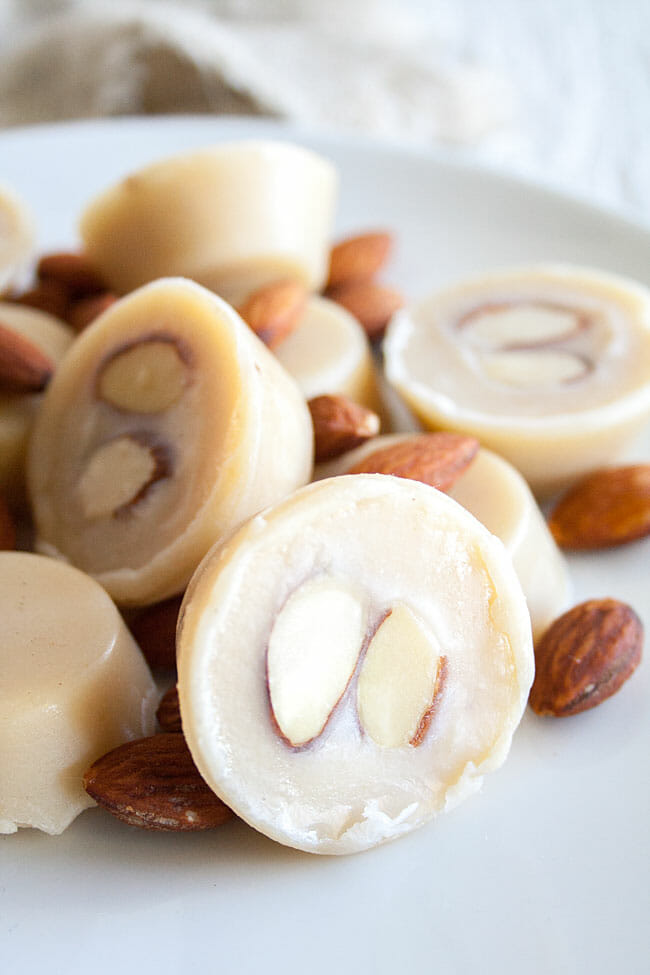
(549, 366)
(16, 236)
(73, 685)
(328, 353)
(168, 424)
(53, 338)
(232, 217)
(352, 662)
(496, 493)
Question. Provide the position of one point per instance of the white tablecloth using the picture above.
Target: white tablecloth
(558, 90)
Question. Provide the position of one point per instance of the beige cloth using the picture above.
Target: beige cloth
(356, 64)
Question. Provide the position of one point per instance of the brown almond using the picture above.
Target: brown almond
(169, 711)
(607, 508)
(437, 459)
(24, 368)
(373, 305)
(72, 270)
(51, 297)
(7, 527)
(339, 425)
(154, 630)
(585, 656)
(274, 310)
(153, 783)
(82, 311)
(358, 258)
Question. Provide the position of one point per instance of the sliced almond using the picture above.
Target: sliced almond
(339, 425)
(358, 258)
(24, 368)
(148, 376)
(71, 269)
(153, 783)
(312, 653)
(533, 368)
(585, 656)
(520, 324)
(610, 507)
(399, 680)
(119, 474)
(274, 310)
(373, 305)
(169, 711)
(434, 458)
(154, 630)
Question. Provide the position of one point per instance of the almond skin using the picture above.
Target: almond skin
(154, 630)
(169, 711)
(7, 527)
(339, 425)
(72, 270)
(274, 310)
(610, 507)
(585, 656)
(153, 783)
(437, 459)
(48, 295)
(358, 258)
(373, 305)
(23, 367)
(82, 311)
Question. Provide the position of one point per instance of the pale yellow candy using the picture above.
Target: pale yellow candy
(548, 366)
(168, 424)
(232, 217)
(73, 685)
(352, 661)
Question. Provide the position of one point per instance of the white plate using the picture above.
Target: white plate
(546, 870)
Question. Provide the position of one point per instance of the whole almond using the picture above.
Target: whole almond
(607, 508)
(438, 459)
(71, 269)
(154, 630)
(339, 425)
(585, 656)
(169, 711)
(82, 311)
(49, 296)
(24, 368)
(358, 258)
(7, 527)
(373, 305)
(274, 310)
(153, 783)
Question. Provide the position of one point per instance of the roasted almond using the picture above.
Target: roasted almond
(358, 258)
(274, 310)
(438, 459)
(7, 527)
(82, 311)
(24, 368)
(72, 270)
(607, 508)
(169, 711)
(49, 296)
(373, 305)
(585, 656)
(154, 630)
(339, 425)
(153, 783)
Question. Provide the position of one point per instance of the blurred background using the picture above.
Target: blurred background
(557, 90)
